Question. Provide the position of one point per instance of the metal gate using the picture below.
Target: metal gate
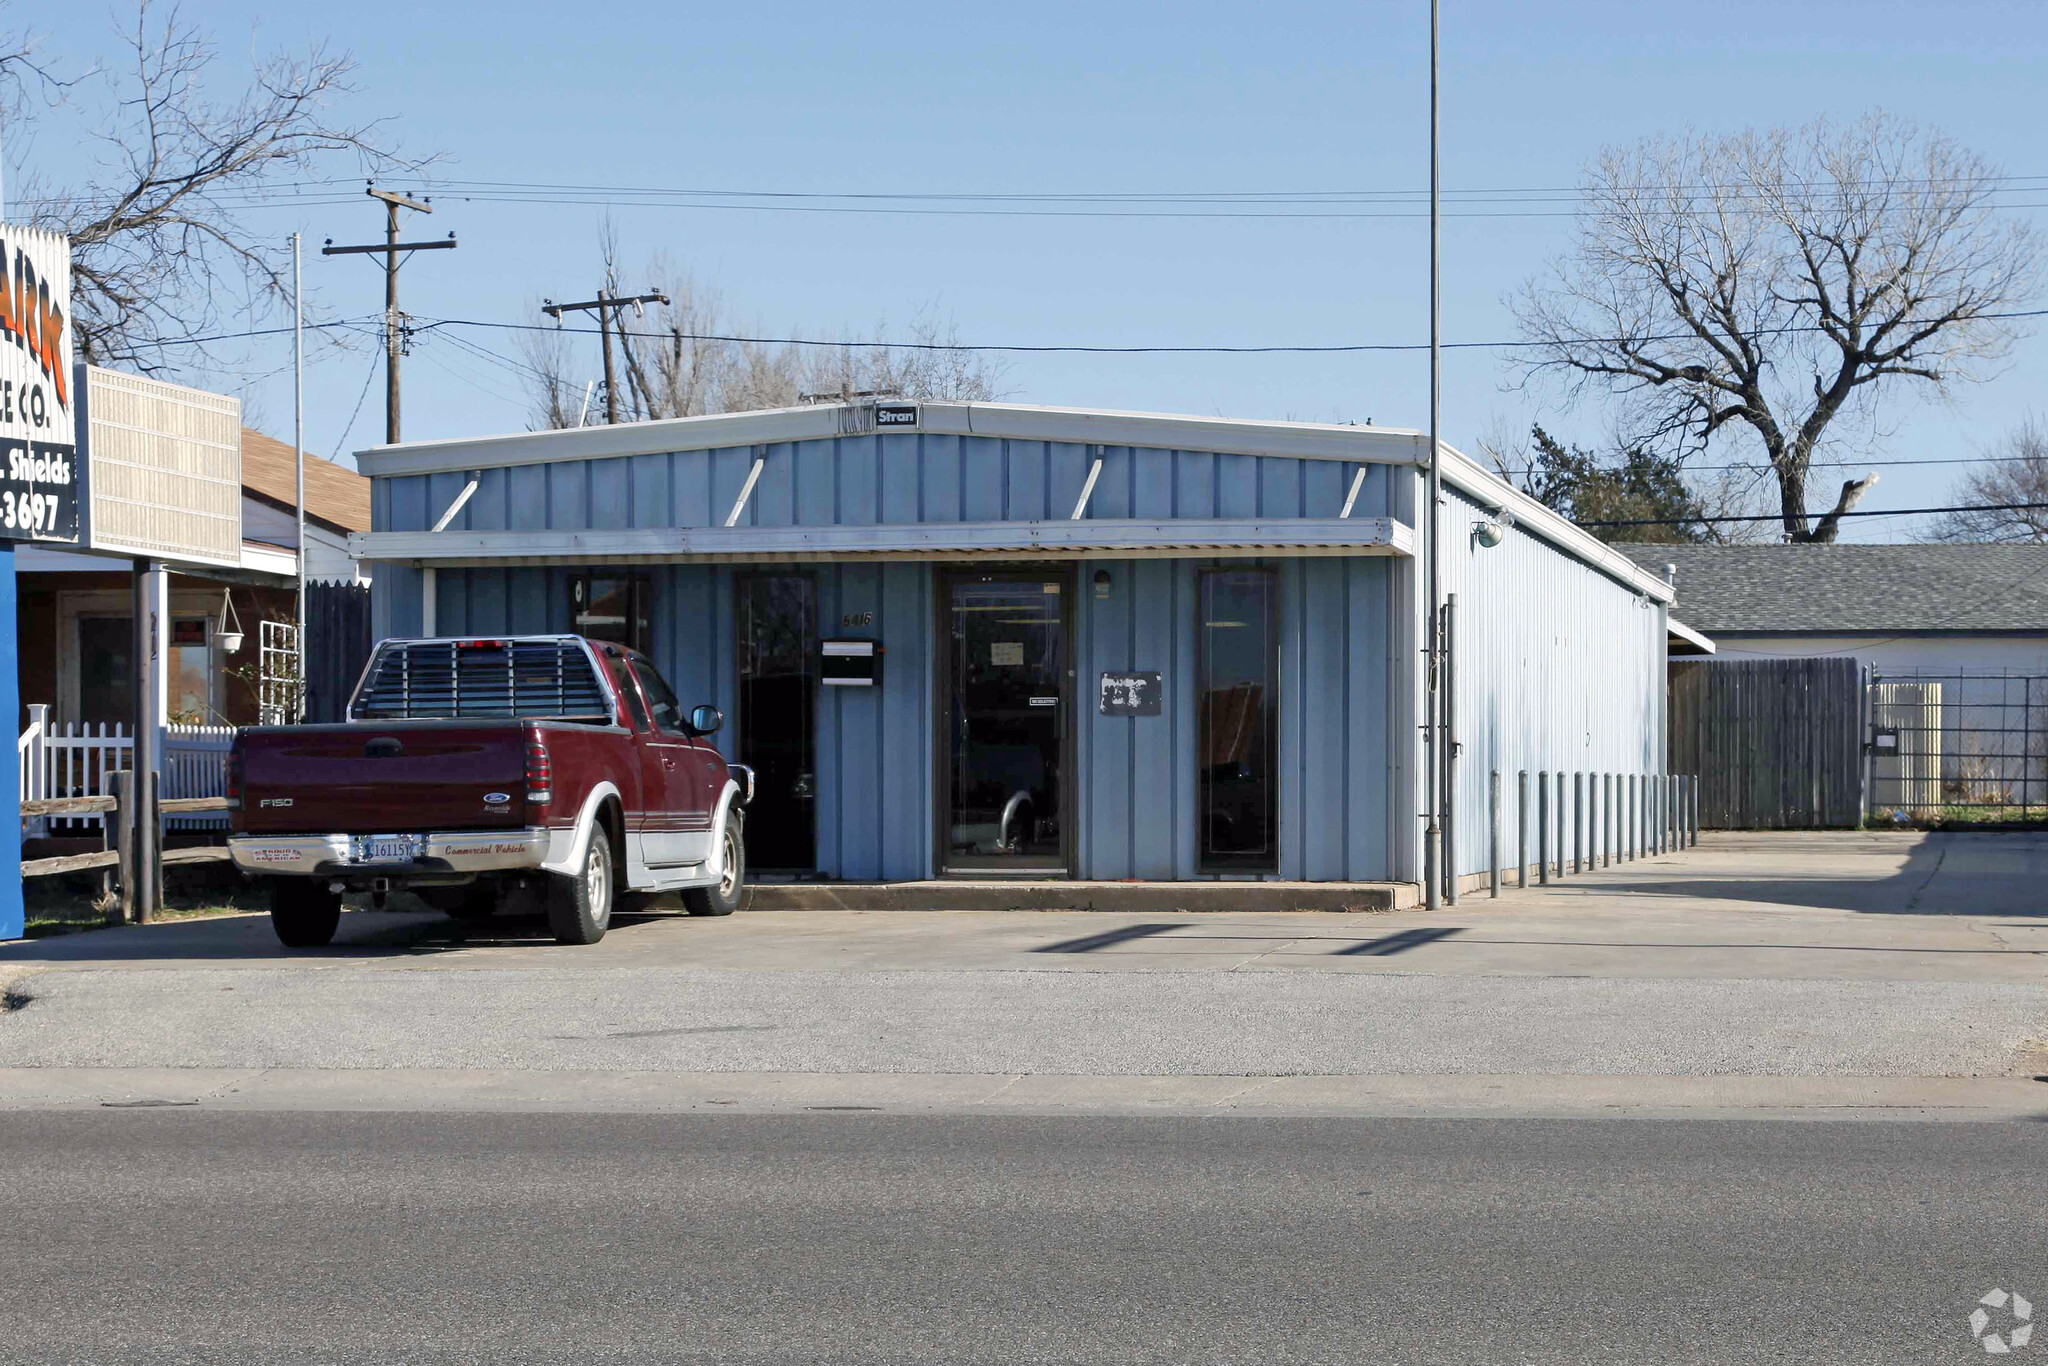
(1958, 747)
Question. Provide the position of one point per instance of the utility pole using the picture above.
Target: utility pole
(1434, 757)
(605, 305)
(299, 473)
(394, 330)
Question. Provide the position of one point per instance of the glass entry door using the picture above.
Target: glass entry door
(778, 675)
(1007, 721)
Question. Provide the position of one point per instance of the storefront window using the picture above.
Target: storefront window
(1239, 670)
(614, 607)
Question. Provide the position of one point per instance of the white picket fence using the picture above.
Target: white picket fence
(77, 760)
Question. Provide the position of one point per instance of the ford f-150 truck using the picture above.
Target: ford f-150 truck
(477, 771)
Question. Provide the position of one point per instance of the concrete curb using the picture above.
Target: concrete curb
(1131, 898)
(506, 1091)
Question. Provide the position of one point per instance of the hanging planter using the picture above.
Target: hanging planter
(227, 636)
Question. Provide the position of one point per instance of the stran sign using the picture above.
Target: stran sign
(38, 427)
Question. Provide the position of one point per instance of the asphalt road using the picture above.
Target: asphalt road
(191, 1235)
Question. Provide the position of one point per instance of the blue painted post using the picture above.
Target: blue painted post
(13, 921)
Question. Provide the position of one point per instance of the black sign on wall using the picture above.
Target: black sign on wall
(1131, 694)
(38, 491)
(895, 414)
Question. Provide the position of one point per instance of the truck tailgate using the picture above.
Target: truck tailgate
(403, 777)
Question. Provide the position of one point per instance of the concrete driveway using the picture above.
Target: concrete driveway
(1879, 973)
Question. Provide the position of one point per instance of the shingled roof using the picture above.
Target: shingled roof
(335, 494)
(1855, 588)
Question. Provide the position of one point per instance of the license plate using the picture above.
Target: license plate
(386, 849)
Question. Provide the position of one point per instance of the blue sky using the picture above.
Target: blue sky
(1102, 97)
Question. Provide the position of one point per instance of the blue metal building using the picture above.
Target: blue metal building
(976, 639)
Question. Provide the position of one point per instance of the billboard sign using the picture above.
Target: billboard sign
(38, 424)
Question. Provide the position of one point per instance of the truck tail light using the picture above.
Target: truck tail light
(234, 793)
(540, 774)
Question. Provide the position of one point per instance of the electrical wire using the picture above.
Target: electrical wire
(1778, 517)
(1071, 349)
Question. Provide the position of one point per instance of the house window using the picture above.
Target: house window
(614, 607)
(1239, 669)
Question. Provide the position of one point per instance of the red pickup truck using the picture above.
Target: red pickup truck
(477, 772)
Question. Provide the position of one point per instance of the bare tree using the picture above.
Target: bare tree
(689, 357)
(157, 244)
(2018, 475)
(1755, 290)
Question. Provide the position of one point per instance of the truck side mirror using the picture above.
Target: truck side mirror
(705, 720)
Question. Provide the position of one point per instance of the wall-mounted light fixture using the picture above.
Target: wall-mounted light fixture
(1493, 530)
(1101, 582)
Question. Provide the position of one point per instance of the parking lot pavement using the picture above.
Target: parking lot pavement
(1835, 957)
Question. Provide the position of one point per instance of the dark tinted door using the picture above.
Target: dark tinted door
(778, 679)
(1239, 663)
(1006, 719)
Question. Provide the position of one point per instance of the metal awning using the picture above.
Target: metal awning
(1089, 538)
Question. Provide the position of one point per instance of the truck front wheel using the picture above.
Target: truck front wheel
(303, 912)
(580, 904)
(723, 896)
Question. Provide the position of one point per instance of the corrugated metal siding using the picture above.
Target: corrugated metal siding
(1559, 668)
(890, 477)
(874, 745)
(1134, 780)
(1138, 774)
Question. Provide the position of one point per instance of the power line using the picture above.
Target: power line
(1778, 517)
(1301, 349)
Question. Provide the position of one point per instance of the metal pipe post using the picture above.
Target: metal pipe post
(1433, 514)
(1561, 785)
(1493, 832)
(1448, 795)
(1543, 828)
(1522, 828)
(1629, 848)
(1578, 822)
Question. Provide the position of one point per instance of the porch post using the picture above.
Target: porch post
(152, 592)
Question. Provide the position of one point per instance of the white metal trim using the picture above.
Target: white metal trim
(1689, 635)
(1098, 538)
(1087, 490)
(739, 504)
(456, 505)
(1024, 422)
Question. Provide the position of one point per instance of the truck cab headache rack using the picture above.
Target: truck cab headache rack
(539, 676)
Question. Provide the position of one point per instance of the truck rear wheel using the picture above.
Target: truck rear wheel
(723, 896)
(303, 912)
(580, 904)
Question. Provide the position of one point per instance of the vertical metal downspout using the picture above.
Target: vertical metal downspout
(1432, 855)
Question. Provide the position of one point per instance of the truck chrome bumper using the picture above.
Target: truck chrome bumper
(486, 851)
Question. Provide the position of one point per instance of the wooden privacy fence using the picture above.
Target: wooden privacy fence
(1777, 743)
(117, 853)
(337, 646)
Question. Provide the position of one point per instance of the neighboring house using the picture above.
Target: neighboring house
(1940, 704)
(337, 502)
(1900, 609)
(76, 609)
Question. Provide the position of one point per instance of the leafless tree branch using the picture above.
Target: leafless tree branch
(159, 248)
(2019, 476)
(1765, 285)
